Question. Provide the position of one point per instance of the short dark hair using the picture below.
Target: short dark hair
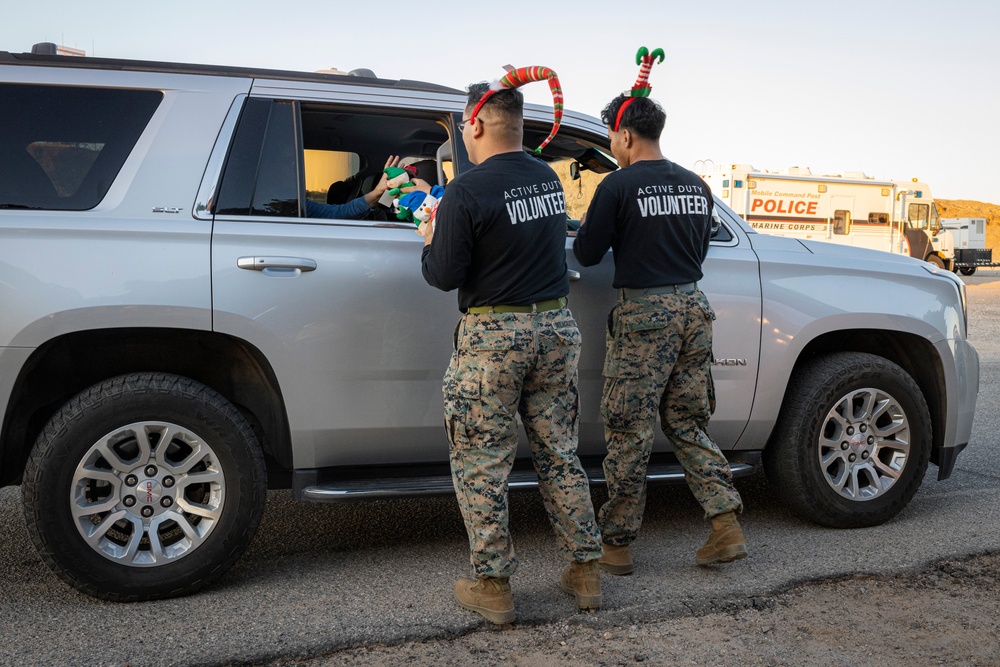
(643, 117)
(506, 105)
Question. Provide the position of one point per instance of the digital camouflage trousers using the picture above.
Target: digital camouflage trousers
(659, 356)
(506, 364)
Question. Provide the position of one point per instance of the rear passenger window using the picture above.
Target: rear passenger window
(262, 170)
(302, 159)
(63, 146)
(312, 159)
(345, 150)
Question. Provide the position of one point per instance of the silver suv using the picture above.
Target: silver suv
(178, 337)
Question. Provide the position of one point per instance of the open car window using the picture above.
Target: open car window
(579, 163)
(345, 151)
(295, 159)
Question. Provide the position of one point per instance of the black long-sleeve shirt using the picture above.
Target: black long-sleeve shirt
(656, 217)
(500, 235)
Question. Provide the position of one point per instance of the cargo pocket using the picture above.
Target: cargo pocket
(462, 407)
(628, 404)
(649, 320)
(632, 343)
(492, 340)
(568, 333)
(706, 308)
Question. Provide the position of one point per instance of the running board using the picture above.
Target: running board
(410, 487)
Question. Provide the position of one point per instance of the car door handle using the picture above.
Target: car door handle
(573, 275)
(285, 263)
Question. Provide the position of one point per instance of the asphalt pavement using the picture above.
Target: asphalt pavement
(323, 577)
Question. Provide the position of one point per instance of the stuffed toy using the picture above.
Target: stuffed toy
(419, 207)
(399, 178)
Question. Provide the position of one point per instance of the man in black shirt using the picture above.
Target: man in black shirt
(656, 217)
(499, 238)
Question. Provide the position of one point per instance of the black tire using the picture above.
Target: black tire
(967, 270)
(807, 430)
(201, 478)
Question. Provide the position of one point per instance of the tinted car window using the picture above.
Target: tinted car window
(262, 170)
(277, 191)
(63, 146)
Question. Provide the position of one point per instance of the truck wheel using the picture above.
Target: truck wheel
(935, 260)
(852, 443)
(968, 270)
(144, 486)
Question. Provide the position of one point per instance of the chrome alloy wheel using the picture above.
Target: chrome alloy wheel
(147, 494)
(865, 444)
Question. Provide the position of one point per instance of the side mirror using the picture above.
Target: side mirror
(574, 170)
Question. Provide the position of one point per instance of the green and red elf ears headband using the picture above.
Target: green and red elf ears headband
(515, 78)
(641, 88)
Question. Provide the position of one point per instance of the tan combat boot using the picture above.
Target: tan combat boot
(584, 581)
(616, 559)
(489, 597)
(725, 544)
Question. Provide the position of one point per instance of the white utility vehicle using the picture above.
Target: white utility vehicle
(850, 208)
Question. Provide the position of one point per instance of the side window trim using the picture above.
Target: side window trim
(209, 189)
(300, 160)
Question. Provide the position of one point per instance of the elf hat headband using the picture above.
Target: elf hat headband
(515, 78)
(641, 88)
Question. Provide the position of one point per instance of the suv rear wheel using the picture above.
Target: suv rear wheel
(144, 486)
(852, 443)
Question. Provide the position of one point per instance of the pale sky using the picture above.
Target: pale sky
(894, 89)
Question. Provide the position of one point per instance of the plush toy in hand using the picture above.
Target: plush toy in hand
(398, 178)
(419, 207)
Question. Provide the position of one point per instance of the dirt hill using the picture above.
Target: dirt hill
(964, 208)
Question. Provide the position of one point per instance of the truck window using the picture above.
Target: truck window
(344, 151)
(261, 172)
(285, 153)
(918, 215)
(64, 145)
(578, 192)
(935, 220)
(571, 153)
(276, 193)
(841, 222)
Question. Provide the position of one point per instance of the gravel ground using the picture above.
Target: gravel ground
(945, 615)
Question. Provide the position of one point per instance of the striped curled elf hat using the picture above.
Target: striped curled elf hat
(645, 59)
(515, 78)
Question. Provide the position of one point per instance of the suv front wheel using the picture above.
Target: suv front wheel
(144, 486)
(853, 440)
